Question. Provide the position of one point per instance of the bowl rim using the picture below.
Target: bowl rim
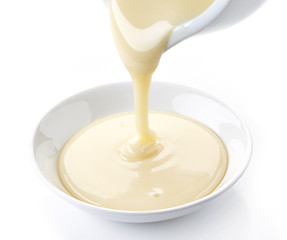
(208, 197)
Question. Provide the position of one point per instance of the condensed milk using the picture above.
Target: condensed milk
(119, 162)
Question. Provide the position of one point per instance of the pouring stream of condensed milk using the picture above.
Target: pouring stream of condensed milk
(108, 163)
(141, 30)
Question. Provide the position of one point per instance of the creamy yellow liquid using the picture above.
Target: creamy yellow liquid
(113, 164)
(191, 164)
(141, 29)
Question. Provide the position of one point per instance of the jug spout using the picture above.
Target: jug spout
(221, 14)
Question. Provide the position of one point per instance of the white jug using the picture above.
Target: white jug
(221, 14)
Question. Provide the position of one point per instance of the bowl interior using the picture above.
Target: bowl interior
(71, 115)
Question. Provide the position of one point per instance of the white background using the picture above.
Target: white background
(52, 49)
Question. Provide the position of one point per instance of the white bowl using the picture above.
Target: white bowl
(79, 110)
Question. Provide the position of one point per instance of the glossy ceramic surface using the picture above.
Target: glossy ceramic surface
(79, 110)
(197, 24)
